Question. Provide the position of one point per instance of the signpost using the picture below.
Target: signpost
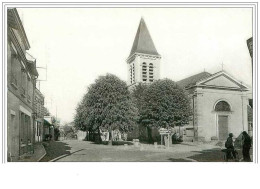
(164, 131)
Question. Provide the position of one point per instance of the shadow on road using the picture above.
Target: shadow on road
(115, 143)
(55, 149)
(212, 155)
(178, 160)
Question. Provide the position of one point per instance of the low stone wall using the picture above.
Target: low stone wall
(81, 135)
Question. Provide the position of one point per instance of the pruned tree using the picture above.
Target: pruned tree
(164, 104)
(107, 106)
(138, 93)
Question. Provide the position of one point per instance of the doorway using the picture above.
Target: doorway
(222, 127)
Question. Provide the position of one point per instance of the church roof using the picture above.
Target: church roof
(143, 42)
(192, 80)
(220, 80)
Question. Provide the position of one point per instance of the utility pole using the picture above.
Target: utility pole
(42, 79)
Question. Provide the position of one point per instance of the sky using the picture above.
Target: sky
(78, 45)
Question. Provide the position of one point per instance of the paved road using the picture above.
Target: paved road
(85, 151)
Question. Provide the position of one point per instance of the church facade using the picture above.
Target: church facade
(219, 106)
(219, 101)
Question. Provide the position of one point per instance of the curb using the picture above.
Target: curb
(189, 159)
(64, 155)
(55, 159)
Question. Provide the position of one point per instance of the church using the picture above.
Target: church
(219, 101)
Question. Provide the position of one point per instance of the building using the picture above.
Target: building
(38, 108)
(39, 116)
(250, 108)
(219, 104)
(144, 61)
(48, 128)
(21, 78)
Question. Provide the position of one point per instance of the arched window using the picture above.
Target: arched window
(151, 72)
(222, 106)
(144, 71)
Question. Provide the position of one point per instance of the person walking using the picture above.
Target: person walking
(230, 147)
(246, 144)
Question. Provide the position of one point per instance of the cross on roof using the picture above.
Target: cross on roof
(222, 66)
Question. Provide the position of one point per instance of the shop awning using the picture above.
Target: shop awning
(47, 123)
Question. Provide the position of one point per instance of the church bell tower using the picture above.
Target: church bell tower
(143, 63)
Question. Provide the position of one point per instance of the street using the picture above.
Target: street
(86, 151)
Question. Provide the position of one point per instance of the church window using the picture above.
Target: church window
(133, 73)
(144, 71)
(151, 72)
(222, 106)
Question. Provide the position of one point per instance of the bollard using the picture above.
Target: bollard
(155, 145)
(136, 142)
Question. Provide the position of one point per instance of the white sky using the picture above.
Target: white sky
(78, 45)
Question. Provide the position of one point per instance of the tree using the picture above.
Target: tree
(138, 93)
(107, 106)
(139, 131)
(164, 105)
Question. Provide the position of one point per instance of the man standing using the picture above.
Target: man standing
(230, 147)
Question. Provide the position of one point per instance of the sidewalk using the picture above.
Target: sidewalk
(55, 149)
(39, 153)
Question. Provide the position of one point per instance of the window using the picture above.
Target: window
(13, 72)
(222, 106)
(38, 129)
(131, 74)
(23, 82)
(151, 72)
(144, 71)
(29, 89)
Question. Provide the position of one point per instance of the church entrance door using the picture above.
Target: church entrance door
(222, 127)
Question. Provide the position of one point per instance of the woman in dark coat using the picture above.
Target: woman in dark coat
(246, 142)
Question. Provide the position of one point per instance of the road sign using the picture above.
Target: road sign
(163, 131)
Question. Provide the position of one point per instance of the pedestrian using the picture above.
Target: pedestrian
(229, 144)
(246, 144)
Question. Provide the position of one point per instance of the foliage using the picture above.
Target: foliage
(138, 93)
(164, 104)
(56, 133)
(107, 106)
(53, 120)
(67, 129)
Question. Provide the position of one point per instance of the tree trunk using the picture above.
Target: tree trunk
(99, 137)
(110, 142)
(150, 138)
